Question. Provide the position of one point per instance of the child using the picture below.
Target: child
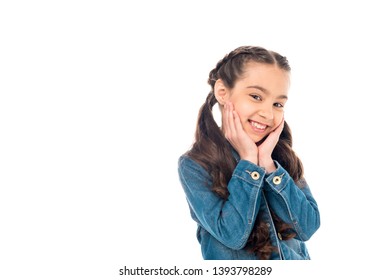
(243, 182)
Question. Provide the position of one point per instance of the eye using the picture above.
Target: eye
(278, 105)
(256, 97)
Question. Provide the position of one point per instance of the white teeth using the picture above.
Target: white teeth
(259, 126)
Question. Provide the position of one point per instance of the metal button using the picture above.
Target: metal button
(277, 180)
(255, 175)
(280, 236)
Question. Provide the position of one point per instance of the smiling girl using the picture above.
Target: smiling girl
(243, 182)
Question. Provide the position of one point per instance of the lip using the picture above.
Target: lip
(258, 127)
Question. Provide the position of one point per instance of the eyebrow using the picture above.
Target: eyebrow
(282, 96)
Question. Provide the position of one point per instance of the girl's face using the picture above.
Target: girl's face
(259, 97)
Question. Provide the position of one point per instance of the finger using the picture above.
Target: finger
(237, 122)
(228, 121)
(232, 128)
(273, 137)
(225, 121)
(280, 127)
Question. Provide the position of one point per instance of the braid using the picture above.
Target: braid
(213, 76)
(284, 154)
(231, 66)
(211, 150)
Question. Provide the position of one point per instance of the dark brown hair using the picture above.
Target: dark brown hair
(212, 150)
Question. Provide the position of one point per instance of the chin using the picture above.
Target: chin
(260, 140)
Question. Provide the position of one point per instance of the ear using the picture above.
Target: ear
(221, 92)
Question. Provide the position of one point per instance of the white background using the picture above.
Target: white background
(98, 99)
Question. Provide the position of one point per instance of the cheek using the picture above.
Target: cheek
(244, 116)
(278, 117)
(242, 110)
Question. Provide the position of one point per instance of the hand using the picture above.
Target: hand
(266, 148)
(235, 134)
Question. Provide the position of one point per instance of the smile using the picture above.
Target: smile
(258, 127)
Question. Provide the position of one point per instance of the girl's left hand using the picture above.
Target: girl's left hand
(266, 148)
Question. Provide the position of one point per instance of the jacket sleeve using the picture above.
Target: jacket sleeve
(230, 221)
(294, 205)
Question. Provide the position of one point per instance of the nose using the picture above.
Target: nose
(266, 112)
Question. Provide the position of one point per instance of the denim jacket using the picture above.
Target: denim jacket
(224, 226)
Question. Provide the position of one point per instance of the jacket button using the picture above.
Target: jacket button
(255, 175)
(280, 236)
(277, 180)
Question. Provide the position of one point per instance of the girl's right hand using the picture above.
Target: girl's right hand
(235, 134)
